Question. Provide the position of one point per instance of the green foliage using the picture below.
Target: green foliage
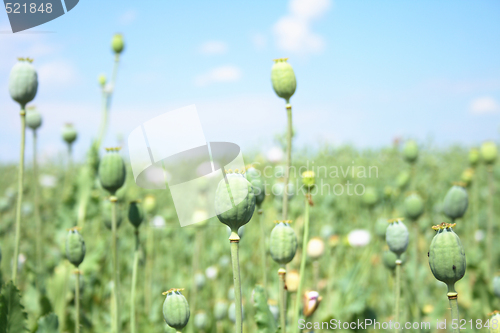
(12, 314)
(48, 324)
(263, 317)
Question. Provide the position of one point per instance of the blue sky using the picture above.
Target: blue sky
(366, 71)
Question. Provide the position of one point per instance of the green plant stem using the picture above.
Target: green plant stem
(116, 319)
(288, 160)
(398, 292)
(491, 217)
(452, 297)
(106, 102)
(38, 221)
(219, 328)
(198, 239)
(134, 282)
(302, 264)
(282, 297)
(19, 194)
(235, 239)
(263, 247)
(149, 267)
(77, 302)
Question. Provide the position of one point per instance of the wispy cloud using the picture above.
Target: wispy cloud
(57, 73)
(484, 105)
(228, 73)
(294, 33)
(259, 41)
(213, 47)
(128, 17)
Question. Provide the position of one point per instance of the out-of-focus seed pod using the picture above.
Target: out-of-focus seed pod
(410, 151)
(389, 259)
(388, 191)
(201, 321)
(175, 309)
(397, 236)
(234, 201)
(473, 157)
(403, 179)
(117, 43)
(467, 176)
(381, 227)
(489, 152)
(253, 176)
(69, 133)
(33, 118)
(112, 171)
(149, 204)
(283, 243)
(75, 247)
(446, 255)
(211, 272)
(292, 280)
(23, 82)
(283, 79)
(308, 179)
(199, 280)
(102, 80)
(455, 202)
(494, 323)
(273, 307)
(414, 206)
(315, 248)
(230, 294)
(220, 310)
(370, 197)
(327, 231)
(231, 312)
(496, 287)
(311, 300)
(106, 212)
(279, 188)
(135, 213)
(4, 204)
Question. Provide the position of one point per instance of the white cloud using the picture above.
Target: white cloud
(128, 17)
(259, 41)
(213, 47)
(293, 31)
(228, 73)
(484, 105)
(56, 73)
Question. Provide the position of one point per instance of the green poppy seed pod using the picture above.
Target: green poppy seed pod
(283, 243)
(199, 280)
(4, 204)
(308, 179)
(33, 119)
(494, 323)
(467, 176)
(283, 79)
(370, 197)
(279, 188)
(117, 43)
(112, 170)
(135, 213)
(473, 157)
(102, 80)
(149, 204)
(175, 309)
(410, 151)
(414, 206)
(397, 236)
(381, 227)
(201, 321)
(253, 176)
(75, 247)
(220, 310)
(234, 201)
(446, 255)
(489, 152)
(403, 179)
(389, 259)
(455, 202)
(496, 286)
(69, 133)
(23, 82)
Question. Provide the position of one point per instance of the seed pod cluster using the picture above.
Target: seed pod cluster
(283, 79)
(176, 309)
(23, 81)
(414, 206)
(75, 247)
(112, 170)
(455, 202)
(283, 243)
(397, 236)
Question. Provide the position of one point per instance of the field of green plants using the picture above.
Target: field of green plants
(401, 234)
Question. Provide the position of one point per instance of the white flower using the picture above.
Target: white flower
(359, 237)
(275, 155)
(48, 181)
(211, 272)
(158, 222)
(479, 235)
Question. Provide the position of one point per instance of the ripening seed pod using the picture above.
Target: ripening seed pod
(231, 312)
(4, 204)
(397, 236)
(410, 151)
(237, 210)
(199, 280)
(315, 248)
(75, 247)
(201, 321)
(135, 213)
(149, 204)
(102, 80)
(496, 286)
(494, 323)
(370, 197)
(23, 82)
(33, 119)
(175, 309)
(112, 171)
(220, 310)
(308, 179)
(279, 188)
(117, 43)
(446, 255)
(283, 79)
(381, 227)
(282, 243)
(69, 133)
(389, 259)
(253, 176)
(403, 179)
(467, 176)
(292, 280)
(455, 202)
(473, 157)
(414, 206)
(489, 152)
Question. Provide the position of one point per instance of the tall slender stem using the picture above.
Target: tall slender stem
(491, 217)
(134, 282)
(38, 221)
(288, 160)
(77, 301)
(455, 318)
(19, 194)
(235, 239)
(262, 246)
(302, 264)
(398, 293)
(106, 102)
(114, 249)
(282, 297)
